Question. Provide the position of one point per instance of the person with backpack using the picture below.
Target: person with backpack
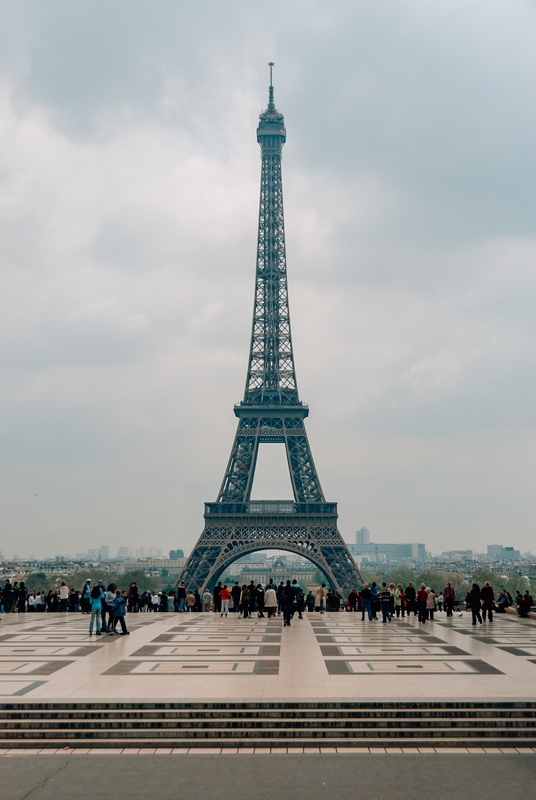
(288, 603)
(385, 603)
(245, 602)
(119, 610)
(298, 596)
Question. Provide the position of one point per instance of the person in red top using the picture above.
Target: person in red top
(422, 597)
(224, 597)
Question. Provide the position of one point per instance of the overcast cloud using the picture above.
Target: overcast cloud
(129, 175)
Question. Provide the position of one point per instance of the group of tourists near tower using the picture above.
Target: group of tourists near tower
(107, 606)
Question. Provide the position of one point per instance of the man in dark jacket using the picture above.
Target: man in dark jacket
(236, 591)
(474, 602)
(487, 595)
(410, 598)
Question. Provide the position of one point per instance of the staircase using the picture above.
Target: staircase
(269, 724)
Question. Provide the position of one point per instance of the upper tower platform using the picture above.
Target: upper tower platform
(271, 133)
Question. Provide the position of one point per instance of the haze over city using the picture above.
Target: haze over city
(129, 175)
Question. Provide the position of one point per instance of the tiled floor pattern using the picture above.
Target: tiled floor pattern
(203, 642)
(390, 648)
(203, 657)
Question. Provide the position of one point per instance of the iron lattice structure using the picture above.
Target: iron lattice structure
(270, 412)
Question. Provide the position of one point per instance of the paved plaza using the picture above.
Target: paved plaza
(203, 657)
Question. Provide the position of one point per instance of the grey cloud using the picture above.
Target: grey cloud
(129, 191)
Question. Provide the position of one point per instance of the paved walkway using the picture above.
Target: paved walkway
(322, 657)
(284, 777)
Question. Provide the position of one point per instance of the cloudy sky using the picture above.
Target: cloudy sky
(129, 176)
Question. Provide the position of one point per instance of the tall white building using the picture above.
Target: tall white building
(362, 536)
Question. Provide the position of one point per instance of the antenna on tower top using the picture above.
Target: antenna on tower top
(271, 90)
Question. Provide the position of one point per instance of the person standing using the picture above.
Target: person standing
(22, 598)
(224, 597)
(449, 598)
(440, 602)
(85, 601)
(190, 601)
(411, 602)
(8, 596)
(366, 602)
(288, 599)
(109, 598)
(321, 595)
(181, 597)
(259, 601)
(298, 596)
(487, 595)
(245, 602)
(400, 600)
(217, 601)
(235, 594)
(422, 597)
(474, 602)
(133, 595)
(95, 598)
(310, 600)
(352, 600)
(270, 601)
(385, 603)
(64, 597)
(430, 604)
(207, 600)
(119, 610)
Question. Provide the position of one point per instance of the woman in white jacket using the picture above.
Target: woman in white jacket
(270, 601)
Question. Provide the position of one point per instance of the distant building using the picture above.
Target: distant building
(389, 551)
(362, 536)
(174, 554)
(496, 552)
(104, 553)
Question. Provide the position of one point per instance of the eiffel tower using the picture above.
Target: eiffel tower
(271, 411)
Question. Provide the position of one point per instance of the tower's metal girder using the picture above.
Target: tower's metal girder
(270, 412)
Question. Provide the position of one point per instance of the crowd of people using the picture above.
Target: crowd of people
(423, 602)
(107, 606)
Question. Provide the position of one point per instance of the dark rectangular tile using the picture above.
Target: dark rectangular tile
(337, 668)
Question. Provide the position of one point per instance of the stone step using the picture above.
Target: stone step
(270, 724)
(356, 712)
(266, 733)
(252, 742)
(261, 724)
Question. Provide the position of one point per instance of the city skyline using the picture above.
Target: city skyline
(129, 196)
